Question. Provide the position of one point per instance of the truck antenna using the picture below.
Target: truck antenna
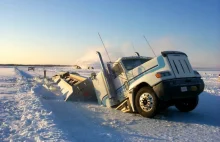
(104, 47)
(150, 46)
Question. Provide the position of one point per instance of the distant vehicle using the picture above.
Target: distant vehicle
(139, 84)
(77, 67)
(90, 67)
(31, 68)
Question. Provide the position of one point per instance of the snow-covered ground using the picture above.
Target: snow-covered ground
(29, 112)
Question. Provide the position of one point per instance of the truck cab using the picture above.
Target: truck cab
(146, 84)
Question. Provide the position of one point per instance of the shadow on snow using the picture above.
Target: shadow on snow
(207, 112)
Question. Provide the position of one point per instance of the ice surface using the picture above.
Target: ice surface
(30, 112)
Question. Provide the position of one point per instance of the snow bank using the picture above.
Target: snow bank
(24, 117)
(41, 92)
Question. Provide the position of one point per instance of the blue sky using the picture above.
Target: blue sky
(65, 31)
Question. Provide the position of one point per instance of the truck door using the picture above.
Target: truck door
(119, 78)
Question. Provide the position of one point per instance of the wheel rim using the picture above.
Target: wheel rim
(146, 102)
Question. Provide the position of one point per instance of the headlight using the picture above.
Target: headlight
(163, 74)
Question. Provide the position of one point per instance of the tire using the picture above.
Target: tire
(146, 102)
(187, 105)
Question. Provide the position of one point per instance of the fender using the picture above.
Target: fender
(132, 93)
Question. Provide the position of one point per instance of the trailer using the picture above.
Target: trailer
(138, 84)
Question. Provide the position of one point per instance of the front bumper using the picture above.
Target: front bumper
(179, 88)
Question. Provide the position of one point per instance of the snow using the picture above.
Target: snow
(51, 71)
(7, 71)
(212, 81)
(30, 112)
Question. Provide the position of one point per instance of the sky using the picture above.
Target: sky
(66, 31)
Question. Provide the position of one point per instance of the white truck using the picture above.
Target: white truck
(143, 84)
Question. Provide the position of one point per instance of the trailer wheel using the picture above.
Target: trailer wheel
(146, 102)
(187, 105)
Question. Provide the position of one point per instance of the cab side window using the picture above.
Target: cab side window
(117, 70)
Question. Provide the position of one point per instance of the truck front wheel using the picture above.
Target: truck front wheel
(146, 102)
(187, 105)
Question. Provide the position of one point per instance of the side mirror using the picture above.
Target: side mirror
(93, 75)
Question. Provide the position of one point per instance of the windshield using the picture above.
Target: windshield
(130, 64)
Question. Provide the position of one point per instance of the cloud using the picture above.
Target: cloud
(90, 58)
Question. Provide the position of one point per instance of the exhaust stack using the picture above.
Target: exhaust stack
(107, 78)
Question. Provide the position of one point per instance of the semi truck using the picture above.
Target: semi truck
(144, 85)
